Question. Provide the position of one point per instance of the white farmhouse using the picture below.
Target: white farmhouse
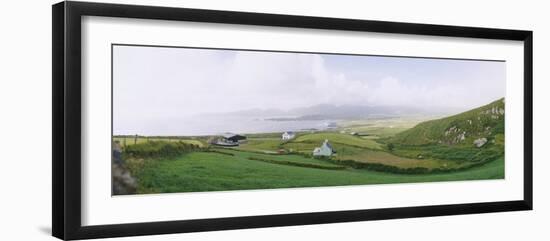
(325, 150)
(288, 135)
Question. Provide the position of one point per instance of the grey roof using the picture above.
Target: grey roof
(229, 135)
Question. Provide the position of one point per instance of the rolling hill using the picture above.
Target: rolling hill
(475, 127)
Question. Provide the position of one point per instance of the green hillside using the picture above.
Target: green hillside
(462, 129)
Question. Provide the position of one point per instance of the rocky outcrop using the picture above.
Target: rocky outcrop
(123, 182)
(480, 142)
(495, 112)
(454, 135)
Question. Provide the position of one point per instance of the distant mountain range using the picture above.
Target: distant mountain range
(339, 112)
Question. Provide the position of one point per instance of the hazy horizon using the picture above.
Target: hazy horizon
(155, 89)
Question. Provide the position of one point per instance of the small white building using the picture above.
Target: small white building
(288, 135)
(325, 150)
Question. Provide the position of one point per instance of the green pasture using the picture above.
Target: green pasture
(262, 144)
(336, 138)
(211, 171)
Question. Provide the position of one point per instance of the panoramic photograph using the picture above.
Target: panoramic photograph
(198, 119)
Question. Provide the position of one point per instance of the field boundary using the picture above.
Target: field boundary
(298, 164)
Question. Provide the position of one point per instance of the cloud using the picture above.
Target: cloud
(152, 84)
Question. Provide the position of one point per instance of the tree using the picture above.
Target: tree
(390, 146)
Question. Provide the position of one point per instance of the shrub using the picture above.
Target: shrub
(158, 149)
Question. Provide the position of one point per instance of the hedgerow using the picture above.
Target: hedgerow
(298, 164)
(157, 149)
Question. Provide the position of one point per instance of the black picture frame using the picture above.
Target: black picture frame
(66, 158)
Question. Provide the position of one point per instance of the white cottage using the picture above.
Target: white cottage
(325, 150)
(288, 135)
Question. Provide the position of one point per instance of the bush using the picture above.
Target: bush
(158, 149)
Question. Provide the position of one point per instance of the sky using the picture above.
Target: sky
(162, 83)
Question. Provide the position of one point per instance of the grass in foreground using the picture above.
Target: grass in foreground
(210, 171)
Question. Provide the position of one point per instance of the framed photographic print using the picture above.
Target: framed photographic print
(162, 114)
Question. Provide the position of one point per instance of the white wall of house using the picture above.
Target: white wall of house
(324, 150)
(288, 136)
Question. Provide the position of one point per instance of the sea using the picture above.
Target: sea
(210, 125)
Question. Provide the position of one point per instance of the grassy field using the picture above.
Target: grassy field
(210, 171)
(255, 164)
(298, 159)
(262, 144)
(336, 138)
(306, 142)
